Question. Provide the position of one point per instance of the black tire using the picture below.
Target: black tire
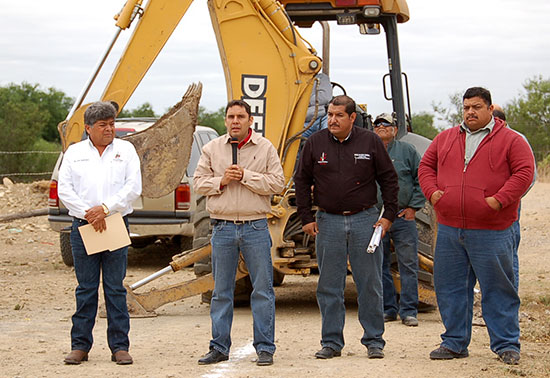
(426, 225)
(65, 247)
(142, 242)
(278, 278)
(201, 236)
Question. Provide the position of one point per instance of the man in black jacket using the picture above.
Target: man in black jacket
(343, 164)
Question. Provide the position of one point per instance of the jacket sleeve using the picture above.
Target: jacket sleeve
(386, 177)
(523, 171)
(204, 181)
(417, 198)
(67, 193)
(131, 189)
(303, 180)
(270, 182)
(427, 170)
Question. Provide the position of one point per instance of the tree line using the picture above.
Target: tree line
(29, 117)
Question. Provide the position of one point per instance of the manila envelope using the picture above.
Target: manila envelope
(113, 238)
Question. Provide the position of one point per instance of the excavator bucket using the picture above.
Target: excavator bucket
(165, 148)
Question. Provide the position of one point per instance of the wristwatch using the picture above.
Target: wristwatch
(105, 209)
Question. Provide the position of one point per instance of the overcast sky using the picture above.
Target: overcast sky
(447, 46)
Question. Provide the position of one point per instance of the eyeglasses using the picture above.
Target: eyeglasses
(383, 124)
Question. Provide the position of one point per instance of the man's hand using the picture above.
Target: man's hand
(436, 196)
(99, 225)
(96, 217)
(311, 228)
(232, 173)
(407, 213)
(385, 224)
(493, 203)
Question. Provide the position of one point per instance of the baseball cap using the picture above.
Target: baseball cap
(385, 118)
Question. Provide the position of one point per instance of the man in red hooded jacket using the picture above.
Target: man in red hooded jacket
(474, 175)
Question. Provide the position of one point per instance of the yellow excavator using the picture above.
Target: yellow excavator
(267, 63)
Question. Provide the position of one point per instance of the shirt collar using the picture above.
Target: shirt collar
(95, 148)
(252, 137)
(345, 139)
(488, 127)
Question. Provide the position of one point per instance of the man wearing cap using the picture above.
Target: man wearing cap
(238, 200)
(343, 164)
(403, 231)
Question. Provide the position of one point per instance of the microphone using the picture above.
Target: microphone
(234, 145)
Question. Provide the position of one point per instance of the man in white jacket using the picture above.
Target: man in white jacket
(99, 176)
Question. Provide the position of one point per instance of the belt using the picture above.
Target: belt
(236, 221)
(346, 212)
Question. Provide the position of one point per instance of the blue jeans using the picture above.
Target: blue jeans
(253, 241)
(517, 239)
(405, 240)
(461, 257)
(112, 266)
(341, 237)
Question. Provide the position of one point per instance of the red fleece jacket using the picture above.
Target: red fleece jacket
(502, 167)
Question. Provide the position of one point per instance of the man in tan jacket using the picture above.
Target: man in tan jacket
(238, 199)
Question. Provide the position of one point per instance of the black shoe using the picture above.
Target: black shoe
(389, 318)
(264, 359)
(213, 357)
(443, 353)
(510, 357)
(327, 353)
(375, 352)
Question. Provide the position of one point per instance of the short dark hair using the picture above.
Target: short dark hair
(345, 101)
(483, 93)
(499, 114)
(99, 111)
(242, 103)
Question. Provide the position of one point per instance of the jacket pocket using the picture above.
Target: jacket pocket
(475, 206)
(449, 203)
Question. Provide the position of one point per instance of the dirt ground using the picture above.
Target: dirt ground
(37, 302)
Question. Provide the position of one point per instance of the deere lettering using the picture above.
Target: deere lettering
(253, 89)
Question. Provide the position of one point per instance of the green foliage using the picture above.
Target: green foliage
(144, 110)
(21, 123)
(58, 105)
(451, 115)
(53, 105)
(39, 162)
(423, 124)
(215, 120)
(530, 115)
(28, 121)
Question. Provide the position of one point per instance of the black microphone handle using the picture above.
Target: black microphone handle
(234, 145)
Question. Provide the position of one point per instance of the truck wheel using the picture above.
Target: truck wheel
(426, 224)
(66, 250)
(201, 236)
(278, 278)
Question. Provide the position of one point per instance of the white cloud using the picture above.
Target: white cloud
(445, 47)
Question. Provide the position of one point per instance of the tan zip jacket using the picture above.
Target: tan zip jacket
(249, 198)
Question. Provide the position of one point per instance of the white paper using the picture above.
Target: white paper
(375, 240)
(113, 238)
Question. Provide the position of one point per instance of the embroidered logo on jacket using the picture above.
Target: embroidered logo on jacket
(323, 159)
(361, 157)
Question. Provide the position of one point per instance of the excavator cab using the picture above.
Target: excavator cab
(370, 16)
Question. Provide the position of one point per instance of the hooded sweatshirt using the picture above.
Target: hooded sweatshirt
(501, 167)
